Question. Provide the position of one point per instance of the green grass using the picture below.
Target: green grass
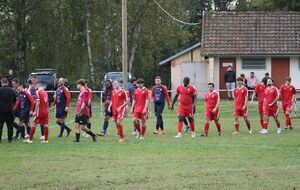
(160, 161)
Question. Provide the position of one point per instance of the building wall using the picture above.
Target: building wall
(295, 71)
(216, 72)
(259, 73)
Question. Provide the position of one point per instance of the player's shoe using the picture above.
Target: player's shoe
(42, 138)
(278, 130)
(44, 142)
(193, 134)
(204, 135)
(178, 135)
(59, 136)
(220, 133)
(121, 140)
(26, 137)
(137, 135)
(94, 138)
(264, 131)
(133, 133)
(236, 132)
(187, 128)
(101, 134)
(291, 128)
(155, 132)
(141, 137)
(76, 142)
(27, 141)
(250, 131)
(162, 132)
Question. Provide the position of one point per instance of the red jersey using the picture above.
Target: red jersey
(90, 93)
(240, 95)
(186, 95)
(271, 93)
(118, 98)
(83, 98)
(260, 92)
(287, 93)
(211, 99)
(42, 97)
(140, 96)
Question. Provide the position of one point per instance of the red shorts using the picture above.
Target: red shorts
(210, 115)
(185, 112)
(119, 116)
(287, 107)
(260, 107)
(271, 111)
(139, 115)
(241, 113)
(41, 120)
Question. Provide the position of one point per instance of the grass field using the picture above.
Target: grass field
(160, 161)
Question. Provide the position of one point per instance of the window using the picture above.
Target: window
(254, 63)
(299, 62)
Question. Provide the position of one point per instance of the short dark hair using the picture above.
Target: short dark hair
(211, 84)
(15, 80)
(81, 82)
(288, 79)
(264, 80)
(251, 72)
(140, 81)
(158, 77)
(132, 79)
(239, 79)
(270, 79)
(24, 85)
(4, 81)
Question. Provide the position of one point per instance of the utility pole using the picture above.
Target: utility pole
(124, 44)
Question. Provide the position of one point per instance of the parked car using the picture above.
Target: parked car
(114, 76)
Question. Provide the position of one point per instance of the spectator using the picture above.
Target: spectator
(251, 83)
(7, 101)
(229, 78)
(267, 75)
(10, 77)
(245, 81)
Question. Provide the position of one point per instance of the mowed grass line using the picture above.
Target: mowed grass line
(160, 161)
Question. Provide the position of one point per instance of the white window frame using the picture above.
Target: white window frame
(263, 61)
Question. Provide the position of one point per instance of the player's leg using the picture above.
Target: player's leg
(32, 131)
(261, 114)
(192, 123)
(77, 130)
(247, 121)
(160, 116)
(143, 131)
(206, 127)
(157, 126)
(286, 111)
(277, 123)
(88, 131)
(218, 125)
(120, 130)
(266, 123)
(63, 123)
(46, 131)
(179, 126)
(42, 132)
(137, 126)
(58, 122)
(236, 124)
(22, 128)
(186, 123)
(105, 125)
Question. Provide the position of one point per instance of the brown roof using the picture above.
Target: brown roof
(251, 33)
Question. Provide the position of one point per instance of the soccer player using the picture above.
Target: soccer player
(117, 106)
(259, 92)
(131, 90)
(106, 98)
(62, 102)
(25, 106)
(90, 97)
(271, 106)
(212, 101)
(15, 87)
(140, 108)
(159, 94)
(240, 106)
(40, 113)
(32, 91)
(82, 112)
(187, 103)
(287, 92)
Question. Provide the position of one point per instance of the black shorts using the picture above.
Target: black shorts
(61, 114)
(159, 108)
(24, 116)
(107, 113)
(82, 119)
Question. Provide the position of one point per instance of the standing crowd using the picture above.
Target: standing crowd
(31, 100)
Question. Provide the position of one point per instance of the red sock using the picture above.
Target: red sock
(206, 127)
(179, 126)
(120, 131)
(262, 123)
(46, 131)
(265, 125)
(287, 120)
(192, 126)
(248, 125)
(237, 127)
(137, 126)
(143, 130)
(278, 124)
(31, 133)
(219, 127)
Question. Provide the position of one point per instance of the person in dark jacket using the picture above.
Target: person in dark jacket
(7, 101)
(229, 78)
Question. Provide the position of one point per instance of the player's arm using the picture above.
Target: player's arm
(31, 100)
(217, 105)
(174, 100)
(37, 105)
(246, 99)
(132, 106)
(17, 105)
(253, 96)
(55, 100)
(146, 104)
(68, 97)
(152, 94)
(167, 97)
(125, 103)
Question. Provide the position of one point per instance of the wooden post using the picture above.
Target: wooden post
(124, 44)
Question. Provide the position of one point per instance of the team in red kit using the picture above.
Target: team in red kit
(33, 101)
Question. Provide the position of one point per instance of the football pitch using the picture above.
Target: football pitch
(244, 161)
